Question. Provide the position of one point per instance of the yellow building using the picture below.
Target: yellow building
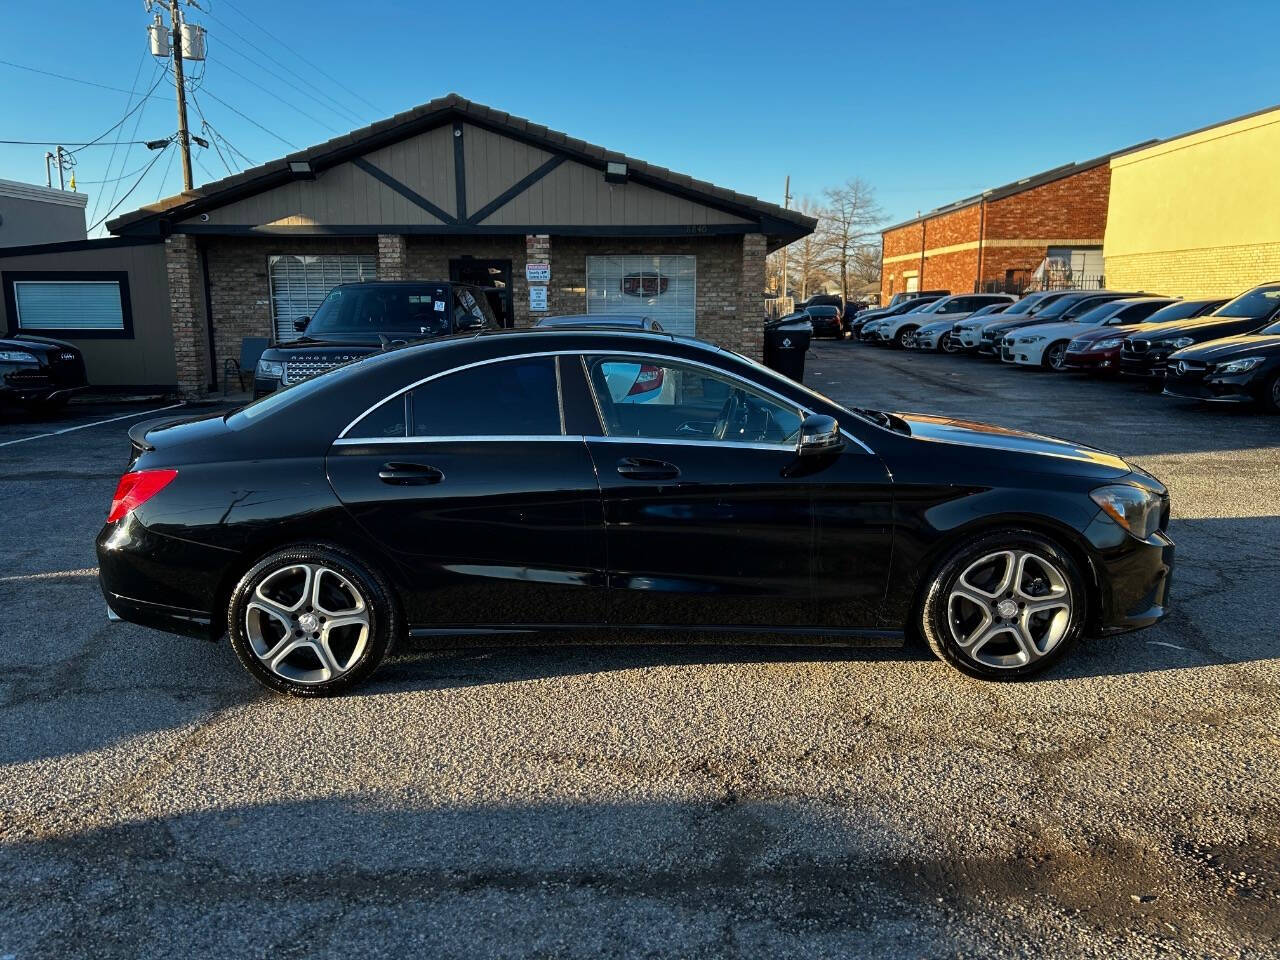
(1198, 215)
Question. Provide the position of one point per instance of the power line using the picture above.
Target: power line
(129, 192)
(128, 112)
(253, 121)
(218, 136)
(165, 176)
(97, 200)
(291, 106)
(63, 76)
(123, 176)
(79, 145)
(285, 80)
(269, 56)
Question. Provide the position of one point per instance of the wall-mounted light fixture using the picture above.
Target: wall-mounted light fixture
(615, 172)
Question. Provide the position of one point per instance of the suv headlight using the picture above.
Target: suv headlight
(1238, 366)
(1109, 344)
(1135, 509)
(1176, 344)
(270, 369)
(17, 356)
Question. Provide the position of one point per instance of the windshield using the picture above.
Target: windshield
(1271, 329)
(1257, 304)
(400, 308)
(933, 307)
(1022, 306)
(1059, 307)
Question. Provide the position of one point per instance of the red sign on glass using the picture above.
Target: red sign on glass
(644, 284)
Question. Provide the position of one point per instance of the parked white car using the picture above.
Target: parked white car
(1045, 345)
(968, 332)
(937, 334)
(900, 330)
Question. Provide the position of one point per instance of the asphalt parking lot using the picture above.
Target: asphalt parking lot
(658, 800)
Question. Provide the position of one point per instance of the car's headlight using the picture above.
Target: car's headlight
(1135, 509)
(1030, 339)
(270, 369)
(1238, 366)
(1177, 344)
(17, 356)
(1109, 344)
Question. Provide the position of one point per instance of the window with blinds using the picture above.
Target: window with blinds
(300, 284)
(68, 305)
(661, 288)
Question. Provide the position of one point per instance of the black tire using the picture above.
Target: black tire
(384, 622)
(1055, 356)
(1271, 395)
(934, 615)
(947, 345)
(900, 338)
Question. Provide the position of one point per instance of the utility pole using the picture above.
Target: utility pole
(61, 160)
(786, 205)
(184, 135)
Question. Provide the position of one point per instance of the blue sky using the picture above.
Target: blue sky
(928, 101)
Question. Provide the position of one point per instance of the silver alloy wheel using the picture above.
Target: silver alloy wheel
(1009, 609)
(307, 623)
(1058, 356)
(947, 344)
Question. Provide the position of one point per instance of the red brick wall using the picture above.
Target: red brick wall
(1070, 208)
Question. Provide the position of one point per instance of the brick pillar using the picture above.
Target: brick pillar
(393, 257)
(187, 314)
(751, 297)
(537, 249)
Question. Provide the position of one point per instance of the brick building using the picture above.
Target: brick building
(1000, 238)
(449, 190)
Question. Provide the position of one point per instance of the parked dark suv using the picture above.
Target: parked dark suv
(38, 372)
(357, 319)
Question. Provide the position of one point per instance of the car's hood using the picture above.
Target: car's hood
(1066, 329)
(339, 339)
(34, 344)
(987, 436)
(1228, 348)
(1202, 328)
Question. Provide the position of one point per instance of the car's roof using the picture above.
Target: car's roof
(401, 283)
(594, 319)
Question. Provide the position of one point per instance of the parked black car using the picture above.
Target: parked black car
(39, 372)
(507, 482)
(1145, 355)
(1239, 369)
(357, 319)
(1062, 309)
(826, 320)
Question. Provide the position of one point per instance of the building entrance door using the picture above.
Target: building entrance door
(493, 277)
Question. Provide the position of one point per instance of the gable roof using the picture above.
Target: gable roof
(774, 220)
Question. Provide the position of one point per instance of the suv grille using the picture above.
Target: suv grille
(296, 371)
(1137, 346)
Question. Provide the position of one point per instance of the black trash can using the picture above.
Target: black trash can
(786, 341)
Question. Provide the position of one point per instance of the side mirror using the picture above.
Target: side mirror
(819, 434)
(301, 324)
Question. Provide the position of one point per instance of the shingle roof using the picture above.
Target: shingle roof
(428, 116)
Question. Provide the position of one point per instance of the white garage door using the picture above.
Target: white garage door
(300, 284)
(661, 288)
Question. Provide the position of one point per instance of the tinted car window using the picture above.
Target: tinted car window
(388, 420)
(1259, 304)
(1136, 313)
(666, 400)
(1177, 311)
(512, 398)
(404, 308)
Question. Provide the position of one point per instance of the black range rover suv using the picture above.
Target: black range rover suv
(357, 319)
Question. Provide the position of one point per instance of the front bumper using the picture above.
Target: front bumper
(1146, 366)
(1134, 577)
(264, 385)
(1239, 389)
(1104, 361)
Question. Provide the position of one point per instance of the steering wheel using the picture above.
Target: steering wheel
(733, 404)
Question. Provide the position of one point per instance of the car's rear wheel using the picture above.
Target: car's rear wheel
(311, 621)
(1004, 605)
(1055, 356)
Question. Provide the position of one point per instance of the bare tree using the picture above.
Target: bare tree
(851, 221)
(864, 267)
(808, 259)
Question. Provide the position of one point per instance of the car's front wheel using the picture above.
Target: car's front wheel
(905, 338)
(311, 621)
(948, 344)
(1271, 395)
(1055, 356)
(1004, 605)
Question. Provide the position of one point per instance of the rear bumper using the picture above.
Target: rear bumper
(159, 581)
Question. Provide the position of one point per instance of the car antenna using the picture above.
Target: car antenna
(385, 341)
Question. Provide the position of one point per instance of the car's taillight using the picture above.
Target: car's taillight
(647, 380)
(135, 489)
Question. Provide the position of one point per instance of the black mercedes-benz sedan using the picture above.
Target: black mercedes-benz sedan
(573, 480)
(1239, 369)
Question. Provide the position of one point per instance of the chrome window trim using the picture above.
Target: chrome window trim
(403, 391)
(490, 438)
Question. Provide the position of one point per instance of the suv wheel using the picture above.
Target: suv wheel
(947, 344)
(1004, 605)
(311, 621)
(905, 337)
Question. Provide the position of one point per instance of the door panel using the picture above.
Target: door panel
(497, 531)
(708, 535)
